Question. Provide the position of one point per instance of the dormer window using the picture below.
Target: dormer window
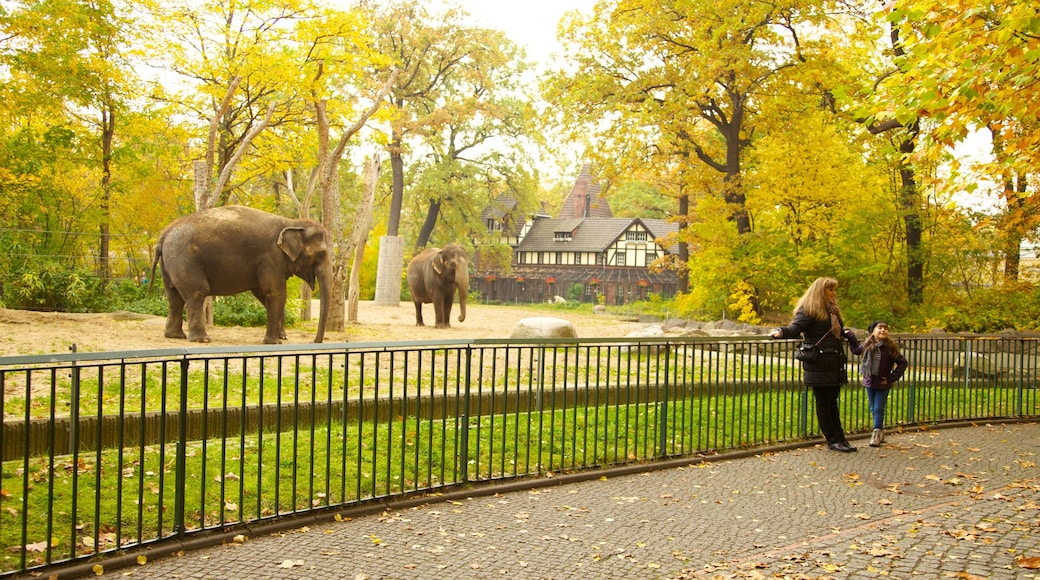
(561, 236)
(634, 236)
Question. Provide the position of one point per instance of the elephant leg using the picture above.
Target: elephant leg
(438, 309)
(175, 316)
(275, 322)
(197, 318)
(446, 309)
(418, 313)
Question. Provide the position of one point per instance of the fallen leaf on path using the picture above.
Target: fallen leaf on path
(1028, 563)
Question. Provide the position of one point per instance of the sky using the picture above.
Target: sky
(529, 23)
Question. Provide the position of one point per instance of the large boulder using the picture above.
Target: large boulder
(544, 327)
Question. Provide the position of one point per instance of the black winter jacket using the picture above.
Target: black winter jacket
(827, 370)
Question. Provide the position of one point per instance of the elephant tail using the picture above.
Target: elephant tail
(155, 262)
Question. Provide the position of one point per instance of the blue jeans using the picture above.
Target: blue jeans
(877, 400)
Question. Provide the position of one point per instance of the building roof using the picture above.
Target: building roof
(590, 235)
(586, 198)
(503, 210)
(660, 229)
(587, 235)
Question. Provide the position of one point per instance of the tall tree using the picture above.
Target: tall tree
(232, 59)
(970, 65)
(692, 74)
(444, 98)
(476, 127)
(75, 54)
(343, 72)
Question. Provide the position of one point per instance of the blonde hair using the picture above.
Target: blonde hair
(814, 302)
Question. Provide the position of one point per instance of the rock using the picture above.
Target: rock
(977, 366)
(599, 309)
(544, 327)
(653, 330)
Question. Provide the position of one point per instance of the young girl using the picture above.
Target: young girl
(881, 366)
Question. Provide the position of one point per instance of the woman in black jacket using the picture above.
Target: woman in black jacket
(817, 319)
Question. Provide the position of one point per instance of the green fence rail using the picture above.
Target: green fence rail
(107, 452)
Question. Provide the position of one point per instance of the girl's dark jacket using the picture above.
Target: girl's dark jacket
(890, 369)
(828, 370)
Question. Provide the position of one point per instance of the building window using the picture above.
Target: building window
(634, 236)
(559, 257)
(541, 257)
(601, 258)
(619, 258)
(561, 236)
(577, 258)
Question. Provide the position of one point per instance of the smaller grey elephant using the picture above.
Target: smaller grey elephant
(433, 276)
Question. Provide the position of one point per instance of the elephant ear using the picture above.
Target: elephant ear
(438, 263)
(290, 240)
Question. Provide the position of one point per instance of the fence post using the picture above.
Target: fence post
(73, 410)
(804, 411)
(181, 459)
(464, 451)
(662, 412)
(73, 441)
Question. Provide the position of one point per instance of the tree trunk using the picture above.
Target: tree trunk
(909, 203)
(734, 182)
(340, 254)
(306, 296)
(393, 224)
(683, 284)
(391, 248)
(1015, 221)
(427, 228)
(362, 227)
(108, 128)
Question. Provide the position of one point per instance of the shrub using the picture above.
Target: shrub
(988, 310)
(49, 285)
(130, 295)
(245, 310)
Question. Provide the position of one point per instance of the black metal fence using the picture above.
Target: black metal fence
(105, 452)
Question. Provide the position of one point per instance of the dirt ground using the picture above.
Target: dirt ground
(23, 332)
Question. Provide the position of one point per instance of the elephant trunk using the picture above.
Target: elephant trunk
(462, 282)
(324, 275)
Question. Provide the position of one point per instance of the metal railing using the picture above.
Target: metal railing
(105, 452)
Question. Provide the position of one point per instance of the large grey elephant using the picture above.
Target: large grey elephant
(232, 249)
(433, 276)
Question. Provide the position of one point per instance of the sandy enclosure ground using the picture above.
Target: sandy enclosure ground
(24, 332)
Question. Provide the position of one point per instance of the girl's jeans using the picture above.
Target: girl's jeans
(877, 399)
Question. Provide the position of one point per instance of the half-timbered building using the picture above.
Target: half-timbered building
(583, 253)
